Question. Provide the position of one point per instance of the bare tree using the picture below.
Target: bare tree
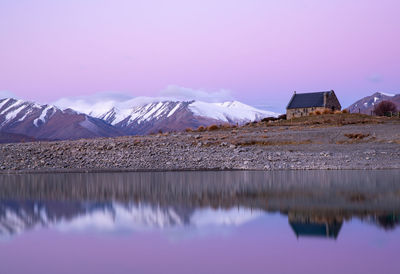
(384, 107)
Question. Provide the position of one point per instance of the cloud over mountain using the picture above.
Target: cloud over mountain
(186, 94)
(7, 94)
(99, 103)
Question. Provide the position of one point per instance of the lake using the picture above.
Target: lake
(201, 222)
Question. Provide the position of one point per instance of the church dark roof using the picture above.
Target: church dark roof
(307, 100)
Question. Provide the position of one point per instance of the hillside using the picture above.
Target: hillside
(366, 104)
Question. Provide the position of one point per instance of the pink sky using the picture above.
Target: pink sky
(260, 50)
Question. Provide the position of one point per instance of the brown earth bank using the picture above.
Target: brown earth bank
(332, 141)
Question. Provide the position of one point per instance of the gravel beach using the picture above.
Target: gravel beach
(258, 147)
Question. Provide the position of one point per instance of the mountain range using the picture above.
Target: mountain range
(22, 120)
(178, 115)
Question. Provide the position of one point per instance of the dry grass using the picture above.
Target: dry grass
(212, 127)
(357, 136)
(189, 129)
(327, 111)
(269, 119)
(338, 119)
(256, 142)
(227, 126)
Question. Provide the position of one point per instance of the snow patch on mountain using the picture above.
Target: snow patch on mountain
(27, 113)
(151, 111)
(3, 102)
(233, 111)
(387, 94)
(12, 114)
(14, 104)
(174, 109)
(44, 114)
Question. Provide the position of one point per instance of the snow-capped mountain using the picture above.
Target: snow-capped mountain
(366, 105)
(231, 112)
(175, 115)
(49, 122)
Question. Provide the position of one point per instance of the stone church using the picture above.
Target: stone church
(302, 104)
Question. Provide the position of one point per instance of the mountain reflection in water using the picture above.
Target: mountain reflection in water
(317, 203)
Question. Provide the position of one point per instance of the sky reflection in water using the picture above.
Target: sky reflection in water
(201, 222)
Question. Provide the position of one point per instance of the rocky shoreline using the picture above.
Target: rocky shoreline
(259, 147)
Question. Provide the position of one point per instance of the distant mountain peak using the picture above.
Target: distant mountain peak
(367, 104)
(386, 94)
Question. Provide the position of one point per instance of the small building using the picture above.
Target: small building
(302, 104)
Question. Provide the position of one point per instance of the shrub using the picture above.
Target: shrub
(384, 108)
(317, 112)
(212, 127)
(201, 128)
(225, 126)
(267, 119)
(188, 129)
(345, 111)
(356, 135)
(327, 111)
(282, 117)
(337, 112)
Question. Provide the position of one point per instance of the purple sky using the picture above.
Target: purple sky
(259, 50)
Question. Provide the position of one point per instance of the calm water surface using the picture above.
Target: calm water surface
(201, 222)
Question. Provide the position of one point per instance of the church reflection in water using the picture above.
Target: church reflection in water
(309, 226)
(317, 203)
